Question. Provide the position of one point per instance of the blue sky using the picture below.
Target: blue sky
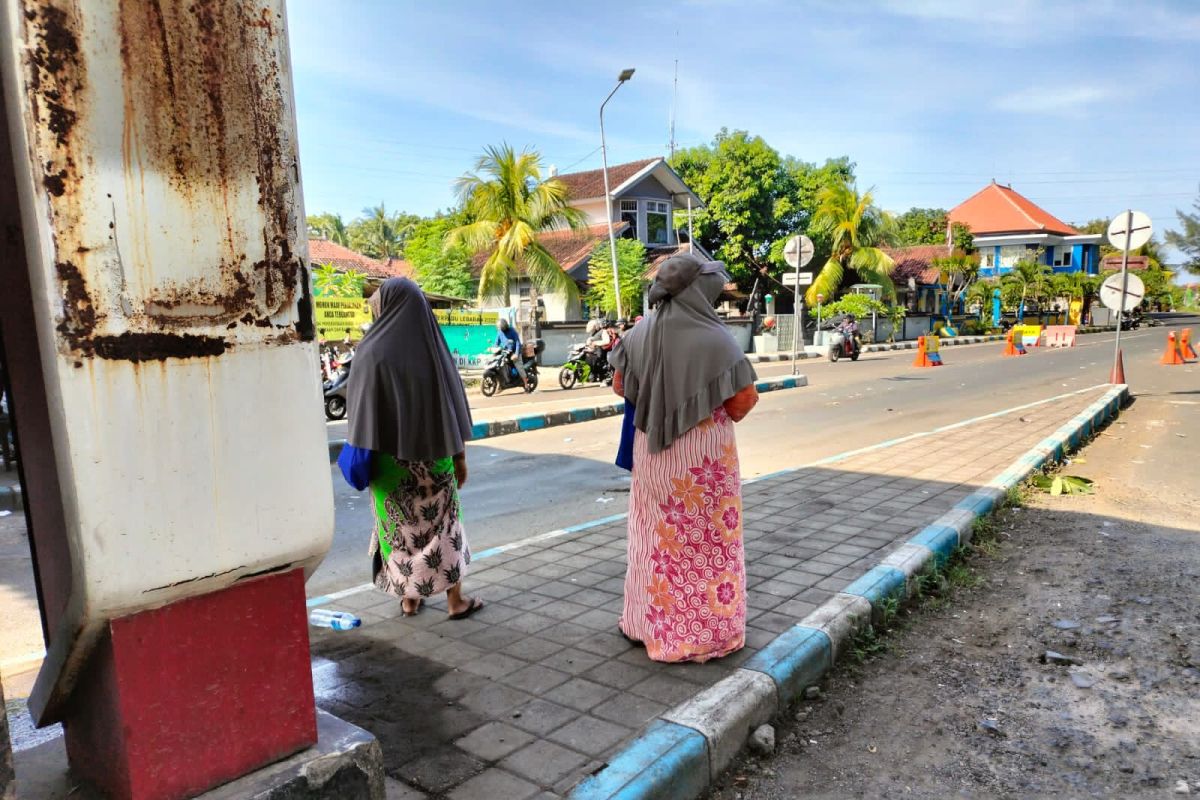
(1087, 107)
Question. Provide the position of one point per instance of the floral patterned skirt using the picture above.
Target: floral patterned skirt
(685, 587)
(418, 548)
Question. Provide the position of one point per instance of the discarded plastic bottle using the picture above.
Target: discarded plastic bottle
(338, 620)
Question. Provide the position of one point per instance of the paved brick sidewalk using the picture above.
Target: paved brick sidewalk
(538, 689)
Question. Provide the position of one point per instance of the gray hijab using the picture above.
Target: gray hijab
(680, 363)
(405, 397)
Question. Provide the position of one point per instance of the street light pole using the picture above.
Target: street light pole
(625, 75)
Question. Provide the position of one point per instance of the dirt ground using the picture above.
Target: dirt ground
(963, 703)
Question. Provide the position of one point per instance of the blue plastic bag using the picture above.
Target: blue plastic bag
(625, 448)
(356, 466)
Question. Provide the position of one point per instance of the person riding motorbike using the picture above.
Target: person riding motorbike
(599, 341)
(848, 327)
(508, 341)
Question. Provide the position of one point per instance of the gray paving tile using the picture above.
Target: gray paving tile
(495, 784)
(540, 716)
(573, 660)
(589, 735)
(439, 771)
(494, 699)
(494, 741)
(579, 694)
(543, 762)
(630, 710)
(537, 679)
(617, 674)
(531, 648)
(662, 688)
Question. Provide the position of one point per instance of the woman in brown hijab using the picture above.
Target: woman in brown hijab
(407, 405)
(688, 382)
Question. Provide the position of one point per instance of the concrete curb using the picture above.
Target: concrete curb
(951, 341)
(10, 498)
(761, 358)
(679, 754)
(552, 419)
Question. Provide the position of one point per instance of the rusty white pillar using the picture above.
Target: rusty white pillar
(157, 307)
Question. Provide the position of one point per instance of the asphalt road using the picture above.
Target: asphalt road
(530, 483)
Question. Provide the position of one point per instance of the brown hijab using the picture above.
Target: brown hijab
(680, 363)
(405, 397)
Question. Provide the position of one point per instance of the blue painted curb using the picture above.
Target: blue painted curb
(878, 584)
(671, 761)
(667, 762)
(489, 429)
(795, 660)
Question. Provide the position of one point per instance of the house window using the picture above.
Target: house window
(989, 259)
(657, 225)
(1010, 254)
(629, 213)
(1062, 256)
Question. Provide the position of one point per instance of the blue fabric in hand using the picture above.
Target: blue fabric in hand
(625, 448)
(355, 463)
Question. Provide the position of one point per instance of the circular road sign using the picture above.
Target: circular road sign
(798, 251)
(1110, 292)
(1139, 231)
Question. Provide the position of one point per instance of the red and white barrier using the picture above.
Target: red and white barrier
(1060, 336)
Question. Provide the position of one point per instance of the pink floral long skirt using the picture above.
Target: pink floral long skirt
(685, 587)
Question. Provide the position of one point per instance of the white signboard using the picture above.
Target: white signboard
(1110, 292)
(798, 251)
(1138, 226)
(797, 278)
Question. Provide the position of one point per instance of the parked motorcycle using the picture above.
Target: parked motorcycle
(335, 390)
(583, 366)
(502, 374)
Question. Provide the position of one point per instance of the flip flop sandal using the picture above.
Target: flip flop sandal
(415, 611)
(476, 604)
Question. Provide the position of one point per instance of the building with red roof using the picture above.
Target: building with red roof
(1009, 227)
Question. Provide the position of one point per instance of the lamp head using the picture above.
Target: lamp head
(625, 75)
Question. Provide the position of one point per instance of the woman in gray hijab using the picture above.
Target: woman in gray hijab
(407, 405)
(688, 382)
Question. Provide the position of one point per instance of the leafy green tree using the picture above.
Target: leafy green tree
(329, 226)
(979, 296)
(1187, 238)
(438, 268)
(961, 272)
(631, 274)
(856, 230)
(379, 234)
(329, 281)
(510, 204)
(921, 226)
(1151, 249)
(754, 199)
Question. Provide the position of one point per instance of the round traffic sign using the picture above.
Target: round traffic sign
(798, 251)
(1110, 292)
(1137, 225)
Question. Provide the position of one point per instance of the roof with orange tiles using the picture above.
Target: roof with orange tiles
(916, 262)
(323, 251)
(997, 209)
(585, 185)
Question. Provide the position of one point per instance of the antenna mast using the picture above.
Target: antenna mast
(674, 98)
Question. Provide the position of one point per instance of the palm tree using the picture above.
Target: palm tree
(961, 272)
(1031, 278)
(510, 205)
(855, 229)
(980, 294)
(329, 226)
(379, 234)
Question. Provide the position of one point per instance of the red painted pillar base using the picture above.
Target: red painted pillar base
(179, 699)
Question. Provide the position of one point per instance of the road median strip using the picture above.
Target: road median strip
(488, 429)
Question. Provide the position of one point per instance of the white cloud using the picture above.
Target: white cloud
(1051, 100)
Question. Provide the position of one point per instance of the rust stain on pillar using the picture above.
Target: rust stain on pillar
(203, 120)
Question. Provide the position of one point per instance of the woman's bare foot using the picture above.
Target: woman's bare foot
(409, 606)
(458, 605)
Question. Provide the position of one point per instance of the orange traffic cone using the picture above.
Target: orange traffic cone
(1012, 347)
(1118, 370)
(1171, 356)
(1185, 344)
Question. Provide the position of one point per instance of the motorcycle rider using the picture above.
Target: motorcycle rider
(598, 341)
(848, 327)
(508, 341)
